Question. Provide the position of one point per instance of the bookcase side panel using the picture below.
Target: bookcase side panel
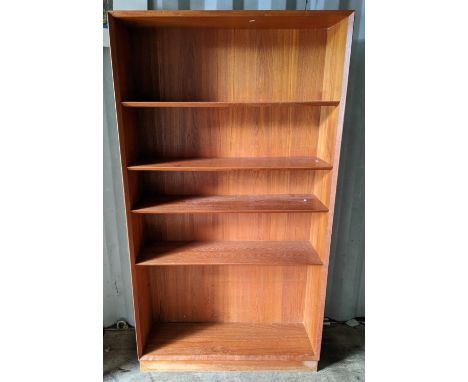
(141, 295)
(335, 84)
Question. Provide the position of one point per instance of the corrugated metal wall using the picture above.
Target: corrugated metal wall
(345, 295)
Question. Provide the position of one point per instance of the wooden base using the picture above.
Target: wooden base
(227, 346)
(149, 366)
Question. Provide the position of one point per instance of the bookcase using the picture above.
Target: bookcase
(229, 129)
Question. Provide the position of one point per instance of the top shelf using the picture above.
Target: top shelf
(261, 19)
(228, 104)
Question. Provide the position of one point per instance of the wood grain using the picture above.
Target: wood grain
(338, 55)
(230, 227)
(229, 203)
(228, 252)
(119, 40)
(227, 65)
(242, 182)
(224, 164)
(227, 132)
(228, 293)
(228, 341)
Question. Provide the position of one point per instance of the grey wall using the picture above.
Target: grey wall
(345, 290)
(117, 286)
(345, 294)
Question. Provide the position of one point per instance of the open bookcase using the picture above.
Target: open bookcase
(230, 128)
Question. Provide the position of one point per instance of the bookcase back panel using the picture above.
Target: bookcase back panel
(228, 293)
(198, 64)
(233, 226)
(245, 182)
(227, 132)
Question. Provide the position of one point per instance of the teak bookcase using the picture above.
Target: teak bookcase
(230, 127)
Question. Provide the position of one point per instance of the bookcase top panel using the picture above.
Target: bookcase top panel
(232, 19)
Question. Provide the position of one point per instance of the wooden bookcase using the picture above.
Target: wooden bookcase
(230, 128)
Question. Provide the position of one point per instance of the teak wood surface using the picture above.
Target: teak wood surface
(228, 342)
(228, 252)
(230, 128)
(230, 203)
(224, 164)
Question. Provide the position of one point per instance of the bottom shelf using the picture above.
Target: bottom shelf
(227, 342)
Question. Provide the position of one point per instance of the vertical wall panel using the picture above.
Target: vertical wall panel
(345, 288)
(117, 285)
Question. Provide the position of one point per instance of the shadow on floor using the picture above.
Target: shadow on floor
(341, 343)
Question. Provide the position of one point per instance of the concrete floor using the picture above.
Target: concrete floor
(342, 360)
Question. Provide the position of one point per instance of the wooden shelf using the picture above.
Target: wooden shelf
(224, 164)
(227, 104)
(230, 203)
(229, 252)
(227, 341)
